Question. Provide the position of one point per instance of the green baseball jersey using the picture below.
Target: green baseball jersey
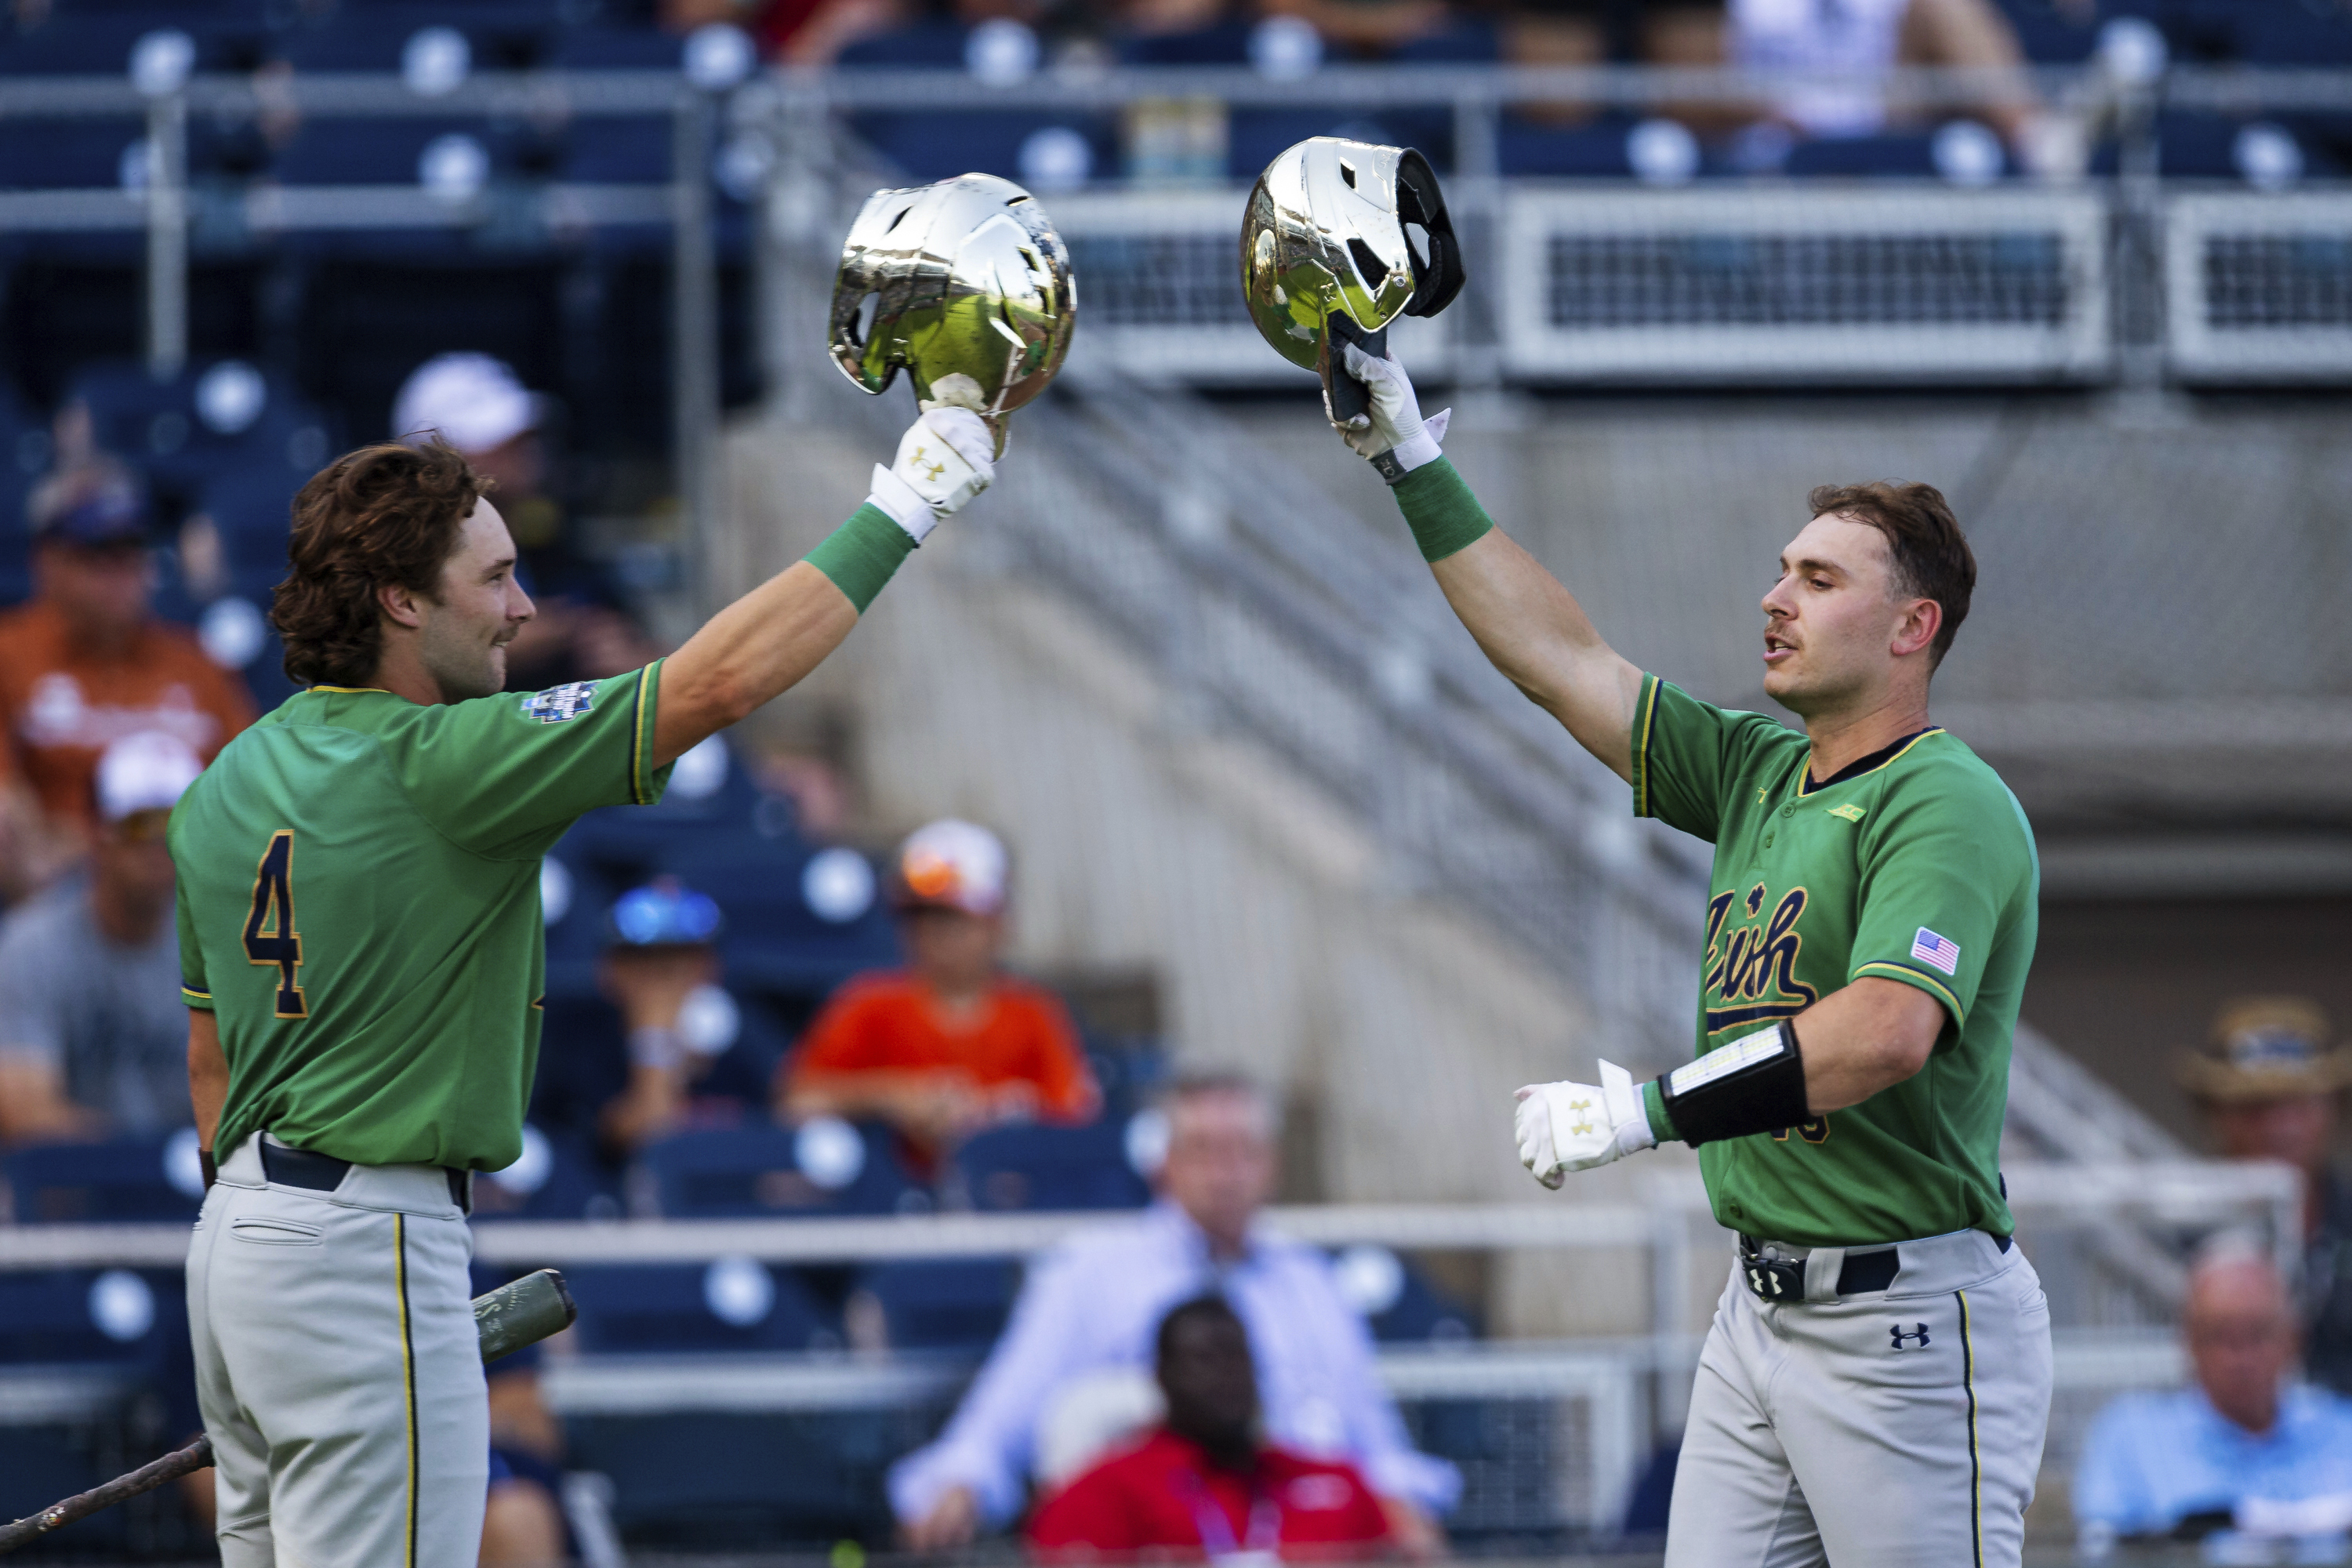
(359, 907)
(1914, 864)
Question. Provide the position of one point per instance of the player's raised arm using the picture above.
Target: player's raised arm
(762, 645)
(1529, 625)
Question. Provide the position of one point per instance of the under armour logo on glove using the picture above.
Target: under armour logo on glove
(1895, 1330)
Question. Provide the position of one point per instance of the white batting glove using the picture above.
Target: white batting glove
(946, 458)
(1395, 424)
(1565, 1127)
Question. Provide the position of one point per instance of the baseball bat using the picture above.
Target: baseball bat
(520, 1312)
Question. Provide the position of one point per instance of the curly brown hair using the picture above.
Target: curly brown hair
(379, 516)
(1931, 555)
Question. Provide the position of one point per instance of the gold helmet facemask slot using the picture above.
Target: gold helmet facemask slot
(1329, 257)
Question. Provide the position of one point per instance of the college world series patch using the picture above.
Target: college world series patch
(557, 703)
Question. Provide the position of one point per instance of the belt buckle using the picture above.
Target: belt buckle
(1774, 1279)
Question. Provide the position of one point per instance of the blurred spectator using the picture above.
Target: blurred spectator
(1369, 28)
(93, 1033)
(2272, 1089)
(86, 662)
(1083, 1330)
(797, 32)
(1863, 36)
(522, 1525)
(662, 971)
(951, 1043)
(1204, 1483)
(2242, 1449)
(583, 630)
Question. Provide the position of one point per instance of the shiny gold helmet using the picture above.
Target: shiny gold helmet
(1326, 257)
(972, 295)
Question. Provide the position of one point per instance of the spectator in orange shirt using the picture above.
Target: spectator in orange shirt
(951, 1043)
(86, 662)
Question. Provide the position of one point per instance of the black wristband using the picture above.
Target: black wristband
(211, 1171)
(1387, 466)
(1756, 1084)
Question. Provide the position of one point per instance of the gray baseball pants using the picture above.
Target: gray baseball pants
(338, 1369)
(1880, 1429)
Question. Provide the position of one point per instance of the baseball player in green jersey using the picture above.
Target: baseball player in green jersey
(362, 956)
(1876, 1386)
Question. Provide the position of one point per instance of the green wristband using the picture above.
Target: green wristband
(1662, 1126)
(861, 554)
(1438, 507)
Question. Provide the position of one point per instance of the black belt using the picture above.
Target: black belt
(1783, 1279)
(324, 1172)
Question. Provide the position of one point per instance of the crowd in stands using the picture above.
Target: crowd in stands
(1827, 129)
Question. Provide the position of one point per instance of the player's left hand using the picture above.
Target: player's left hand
(1565, 1127)
(1395, 424)
(946, 458)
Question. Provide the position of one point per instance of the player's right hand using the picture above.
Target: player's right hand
(1395, 424)
(946, 458)
(1564, 1127)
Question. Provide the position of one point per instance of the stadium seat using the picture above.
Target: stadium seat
(821, 1167)
(219, 426)
(1042, 1167)
(1256, 136)
(550, 1180)
(780, 934)
(937, 146)
(729, 1304)
(69, 154)
(1464, 40)
(91, 1316)
(608, 47)
(952, 1305)
(377, 37)
(712, 1481)
(120, 1179)
(1595, 150)
(1397, 1302)
(1226, 44)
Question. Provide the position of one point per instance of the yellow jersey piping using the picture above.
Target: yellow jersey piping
(1928, 982)
(1805, 784)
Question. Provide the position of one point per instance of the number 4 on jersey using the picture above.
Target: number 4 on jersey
(269, 934)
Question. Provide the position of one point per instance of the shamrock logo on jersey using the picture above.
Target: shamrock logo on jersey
(558, 703)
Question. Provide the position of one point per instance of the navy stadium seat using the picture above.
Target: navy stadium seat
(120, 1179)
(729, 1304)
(1399, 1304)
(550, 1181)
(766, 1170)
(602, 47)
(953, 1305)
(1254, 137)
(1041, 1167)
(67, 154)
(1226, 44)
(1462, 40)
(91, 1317)
(374, 37)
(774, 939)
(217, 423)
(1596, 149)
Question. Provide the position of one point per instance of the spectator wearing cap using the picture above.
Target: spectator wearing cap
(93, 1036)
(2272, 1088)
(1081, 1341)
(584, 630)
(663, 1045)
(2243, 1449)
(660, 969)
(951, 1043)
(87, 663)
(1205, 1482)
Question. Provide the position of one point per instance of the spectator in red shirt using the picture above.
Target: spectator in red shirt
(1205, 1483)
(951, 1043)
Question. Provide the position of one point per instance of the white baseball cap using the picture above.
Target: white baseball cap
(474, 400)
(145, 772)
(951, 864)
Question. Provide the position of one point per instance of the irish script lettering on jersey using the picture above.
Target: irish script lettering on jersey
(1751, 959)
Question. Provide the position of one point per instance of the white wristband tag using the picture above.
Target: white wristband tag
(1745, 1051)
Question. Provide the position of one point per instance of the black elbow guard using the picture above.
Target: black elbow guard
(1754, 1084)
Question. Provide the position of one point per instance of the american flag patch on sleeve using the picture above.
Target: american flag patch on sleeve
(1939, 950)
